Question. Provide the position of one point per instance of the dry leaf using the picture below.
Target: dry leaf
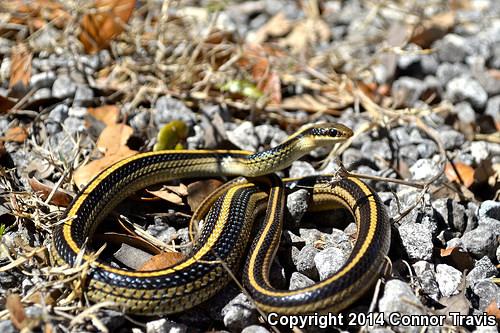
(16, 134)
(108, 19)
(458, 258)
(466, 173)
(277, 26)
(162, 261)
(493, 310)
(113, 138)
(20, 71)
(167, 196)
(6, 104)
(60, 197)
(433, 29)
(108, 114)
(84, 174)
(198, 191)
(16, 311)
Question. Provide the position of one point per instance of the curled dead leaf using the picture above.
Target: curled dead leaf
(59, 198)
(20, 71)
(465, 173)
(114, 138)
(458, 258)
(108, 114)
(493, 310)
(84, 174)
(198, 191)
(162, 261)
(107, 20)
(16, 311)
(6, 104)
(16, 134)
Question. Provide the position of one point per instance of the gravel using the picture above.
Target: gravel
(448, 279)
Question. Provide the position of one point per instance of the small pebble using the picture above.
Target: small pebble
(239, 313)
(300, 169)
(448, 279)
(244, 136)
(417, 240)
(329, 261)
(169, 108)
(299, 281)
(304, 261)
(399, 297)
(165, 326)
(63, 87)
(297, 204)
(452, 48)
(493, 108)
(42, 80)
(465, 112)
(424, 169)
(483, 269)
(254, 329)
(83, 95)
(464, 88)
(480, 242)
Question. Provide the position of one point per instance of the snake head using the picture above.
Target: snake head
(321, 134)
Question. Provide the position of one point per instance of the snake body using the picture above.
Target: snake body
(227, 229)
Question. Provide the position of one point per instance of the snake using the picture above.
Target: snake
(225, 238)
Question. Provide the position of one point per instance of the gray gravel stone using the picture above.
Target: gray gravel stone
(6, 326)
(465, 112)
(329, 261)
(304, 261)
(165, 326)
(417, 240)
(428, 283)
(168, 109)
(42, 93)
(301, 169)
(398, 297)
(452, 213)
(297, 204)
(452, 139)
(77, 112)
(493, 108)
(298, 281)
(483, 268)
(239, 313)
(480, 241)
(269, 135)
(451, 48)
(244, 136)
(83, 95)
(429, 64)
(407, 90)
(42, 80)
(254, 329)
(424, 169)
(446, 72)
(448, 279)
(140, 121)
(489, 208)
(487, 291)
(113, 320)
(351, 156)
(63, 87)
(163, 232)
(55, 118)
(464, 88)
(74, 125)
(427, 148)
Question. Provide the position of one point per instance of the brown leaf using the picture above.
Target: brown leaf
(60, 197)
(105, 22)
(108, 114)
(433, 29)
(162, 261)
(198, 191)
(16, 311)
(271, 86)
(16, 134)
(493, 310)
(114, 138)
(167, 196)
(458, 258)
(20, 71)
(6, 104)
(465, 172)
(86, 173)
(277, 26)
